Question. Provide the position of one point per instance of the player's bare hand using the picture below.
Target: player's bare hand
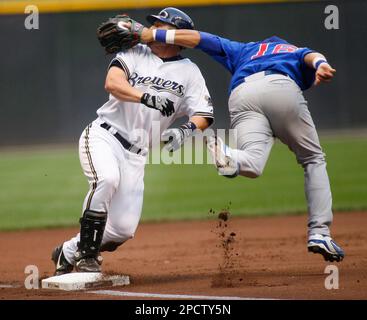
(146, 35)
(324, 73)
(164, 105)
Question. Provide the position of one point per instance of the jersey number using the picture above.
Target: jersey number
(279, 48)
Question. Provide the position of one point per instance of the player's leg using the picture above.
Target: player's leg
(292, 123)
(101, 168)
(254, 136)
(254, 143)
(126, 205)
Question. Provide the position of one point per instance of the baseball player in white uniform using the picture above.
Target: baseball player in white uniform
(146, 84)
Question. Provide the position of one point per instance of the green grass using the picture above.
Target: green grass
(46, 189)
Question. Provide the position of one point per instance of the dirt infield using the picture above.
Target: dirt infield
(236, 257)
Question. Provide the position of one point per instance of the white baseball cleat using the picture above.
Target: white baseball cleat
(221, 154)
(326, 246)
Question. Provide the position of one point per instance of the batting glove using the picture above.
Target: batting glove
(164, 105)
(175, 137)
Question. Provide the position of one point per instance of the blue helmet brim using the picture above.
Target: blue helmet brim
(153, 18)
(184, 25)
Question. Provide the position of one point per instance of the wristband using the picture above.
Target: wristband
(187, 129)
(188, 126)
(170, 36)
(160, 35)
(317, 61)
(165, 36)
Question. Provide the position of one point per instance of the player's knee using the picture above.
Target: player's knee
(124, 231)
(316, 158)
(252, 172)
(116, 239)
(119, 239)
(126, 234)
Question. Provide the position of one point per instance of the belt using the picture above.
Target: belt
(261, 74)
(126, 144)
(268, 72)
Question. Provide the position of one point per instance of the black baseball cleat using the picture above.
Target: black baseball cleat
(88, 264)
(61, 264)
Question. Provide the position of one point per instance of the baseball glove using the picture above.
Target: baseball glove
(114, 36)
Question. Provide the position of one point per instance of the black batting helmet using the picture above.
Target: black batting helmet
(174, 17)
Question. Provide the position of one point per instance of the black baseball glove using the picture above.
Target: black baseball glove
(114, 36)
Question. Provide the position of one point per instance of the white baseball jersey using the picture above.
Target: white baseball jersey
(178, 79)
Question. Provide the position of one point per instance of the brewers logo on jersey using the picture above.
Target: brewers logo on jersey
(178, 79)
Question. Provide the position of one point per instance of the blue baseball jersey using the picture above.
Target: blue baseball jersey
(245, 59)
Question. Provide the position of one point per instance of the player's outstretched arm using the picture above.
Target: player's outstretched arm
(184, 38)
(324, 71)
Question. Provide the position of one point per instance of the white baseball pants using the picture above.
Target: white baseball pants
(115, 177)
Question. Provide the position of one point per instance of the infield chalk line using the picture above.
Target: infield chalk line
(8, 286)
(169, 296)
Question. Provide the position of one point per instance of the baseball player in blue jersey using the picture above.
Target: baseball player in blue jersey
(266, 101)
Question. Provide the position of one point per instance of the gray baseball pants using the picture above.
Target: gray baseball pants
(265, 107)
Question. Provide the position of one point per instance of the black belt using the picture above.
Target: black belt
(126, 144)
(269, 72)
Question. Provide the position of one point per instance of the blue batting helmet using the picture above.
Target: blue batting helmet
(174, 17)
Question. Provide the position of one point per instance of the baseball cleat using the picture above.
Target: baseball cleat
(88, 264)
(220, 152)
(326, 246)
(61, 264)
